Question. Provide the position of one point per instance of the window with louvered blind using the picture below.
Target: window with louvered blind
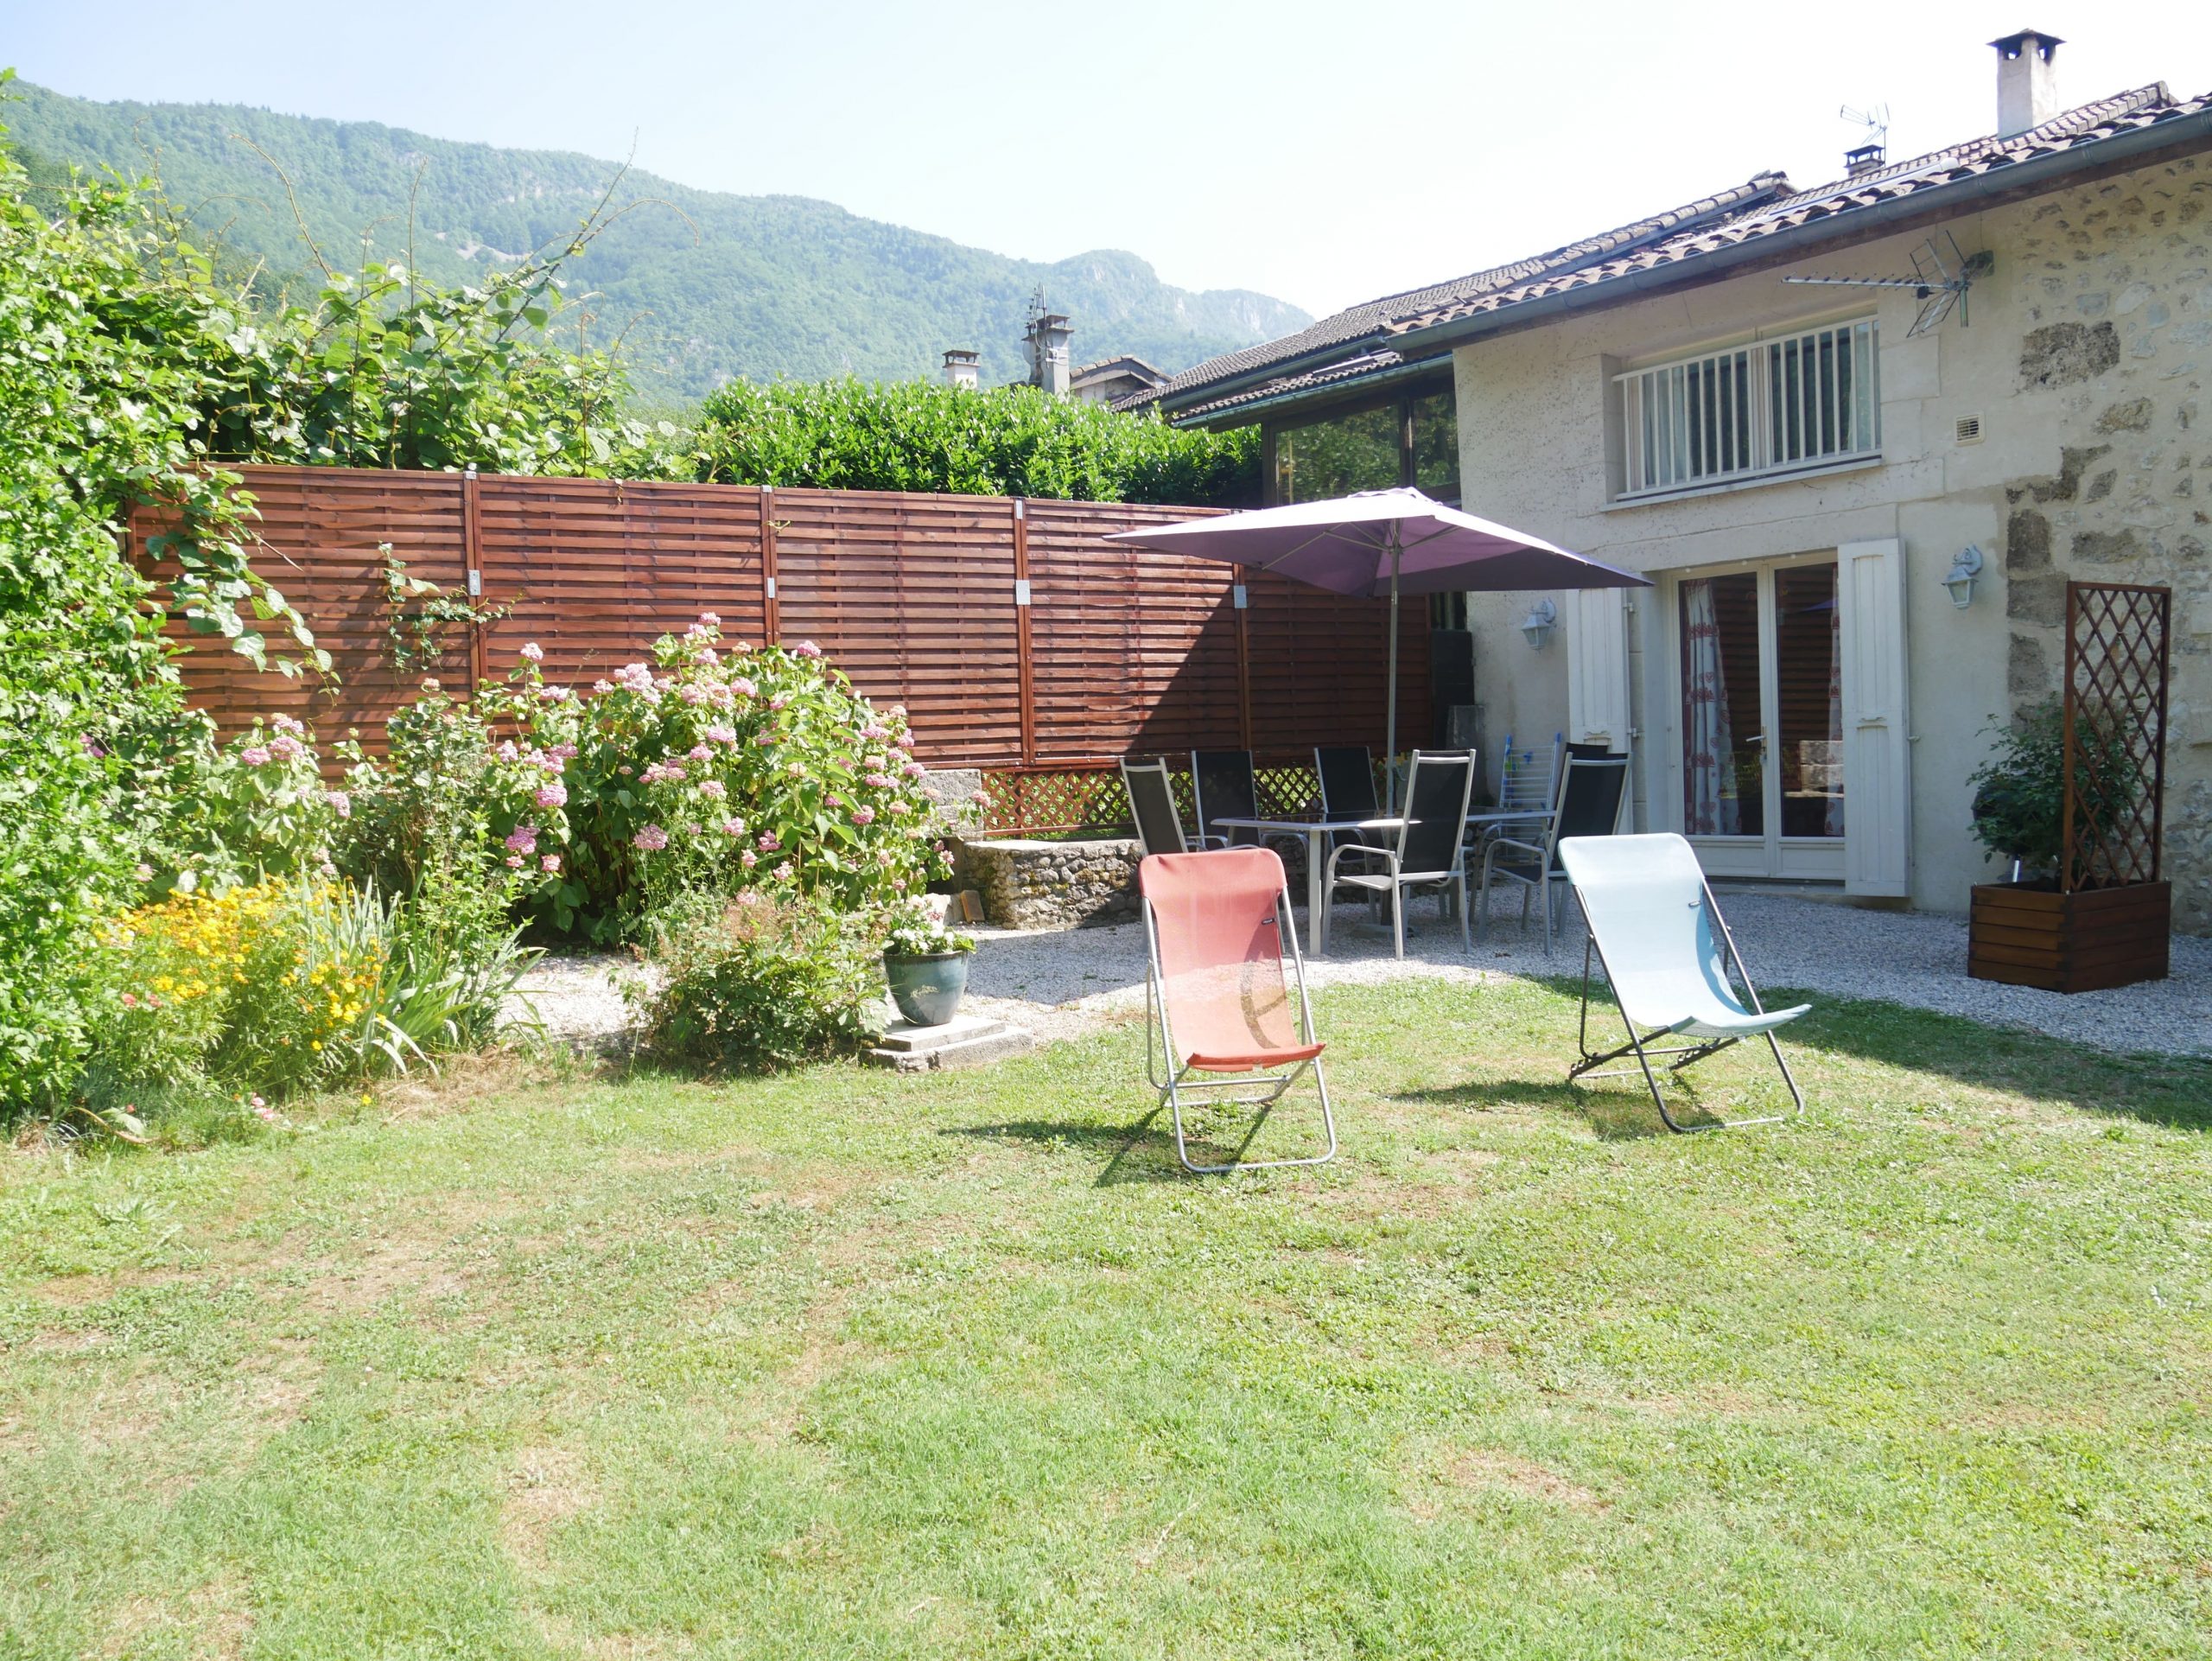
(1768, 407)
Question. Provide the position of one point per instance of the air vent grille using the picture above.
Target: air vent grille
(1969, 429)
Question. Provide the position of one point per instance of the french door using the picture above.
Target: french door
(1758, 751)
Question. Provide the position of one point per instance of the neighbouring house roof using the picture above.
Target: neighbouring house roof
(1367, 340)
(1127, 364)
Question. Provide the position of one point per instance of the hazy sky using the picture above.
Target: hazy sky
(1324, 153)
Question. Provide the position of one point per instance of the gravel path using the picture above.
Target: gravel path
(1060, 983)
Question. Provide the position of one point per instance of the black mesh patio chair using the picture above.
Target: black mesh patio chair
(1152, 806)
(1221, 787)
(1590, 794)
(1427, 852)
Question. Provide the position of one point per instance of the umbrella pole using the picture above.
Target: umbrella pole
(1391, 725)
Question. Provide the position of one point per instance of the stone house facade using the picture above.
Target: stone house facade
(1799, 463)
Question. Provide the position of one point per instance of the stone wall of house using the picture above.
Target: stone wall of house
(2083, 356)
(1039, 884)
(2119, 332)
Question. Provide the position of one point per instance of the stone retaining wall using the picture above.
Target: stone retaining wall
(1035, 884)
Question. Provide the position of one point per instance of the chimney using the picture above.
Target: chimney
(2027, 81)
(1048, 335)
(962, 367)
(1864, 160)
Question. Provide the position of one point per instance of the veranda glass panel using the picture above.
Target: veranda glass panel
(1723, 775)
(1436, 447)
(1808, 672)
(1336, 456)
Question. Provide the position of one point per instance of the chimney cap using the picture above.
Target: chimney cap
(2013, 44)
(962, 354)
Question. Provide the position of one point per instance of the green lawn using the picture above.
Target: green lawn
(850, 1365)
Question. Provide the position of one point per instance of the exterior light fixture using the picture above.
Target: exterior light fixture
(1537, 625)
(1960, 579)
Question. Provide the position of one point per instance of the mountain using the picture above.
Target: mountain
(699, 286)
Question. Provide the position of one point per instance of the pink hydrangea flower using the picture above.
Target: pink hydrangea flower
(507, 752)
(733, 827)
(565, 752)
(831, 799)
(602, 685)
(429, 682)
(146, 872)
(749, 859)
(744, 688)
(806, 649)
(764, 739)
(287, 747)
(779, 701)
(770, 842)
(874, 732)
(553, 795)
(710, 620)
(340, 804)
(700, 753)
(899, 712)
(514, 862)
(255, 755)
(863, 815)
(710, 657)
(650, 837)
(287, 724)
(552, 695)
(693, 696)
(712, 789)
(915, 769)
(906, 740)
(878, 782)
(523, 839)
(551, 864)
(900, 809)
(720, 734)
(532, 652)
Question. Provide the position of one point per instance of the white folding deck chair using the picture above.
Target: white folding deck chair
(1218, 928)
(1658, 932)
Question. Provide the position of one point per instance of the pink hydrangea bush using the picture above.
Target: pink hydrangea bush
(639, 781)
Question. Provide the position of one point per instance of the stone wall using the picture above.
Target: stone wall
(1036, 884)
(2122, 334)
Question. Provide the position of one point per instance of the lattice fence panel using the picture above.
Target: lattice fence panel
(2118, 656)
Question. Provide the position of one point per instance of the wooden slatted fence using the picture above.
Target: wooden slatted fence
(1018, 639)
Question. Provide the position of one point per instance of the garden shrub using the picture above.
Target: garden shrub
(716, 767)
(767, 979)
(2019, 798)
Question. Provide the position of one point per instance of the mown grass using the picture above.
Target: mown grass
(842, 1364)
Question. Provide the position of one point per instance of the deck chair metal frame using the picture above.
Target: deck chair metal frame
(1666, 850)
(1172, 1079)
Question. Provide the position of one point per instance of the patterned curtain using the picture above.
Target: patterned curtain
(1833, 826)
(1708, 744)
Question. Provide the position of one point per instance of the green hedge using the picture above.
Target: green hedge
(853, 435)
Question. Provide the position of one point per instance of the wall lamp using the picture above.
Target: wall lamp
(1537, 625)
(1960, 578)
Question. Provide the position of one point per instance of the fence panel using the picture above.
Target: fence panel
(595, 571)
(1134, 651)
(912, 596)
(319, 542)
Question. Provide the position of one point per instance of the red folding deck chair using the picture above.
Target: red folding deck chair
(1218, 925)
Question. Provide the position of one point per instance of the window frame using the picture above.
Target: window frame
(1399, 400)
(1718, 424)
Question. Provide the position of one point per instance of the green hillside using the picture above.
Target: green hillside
(730, 286)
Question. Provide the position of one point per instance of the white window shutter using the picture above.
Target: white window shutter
(1876, 747)
(1597, 667)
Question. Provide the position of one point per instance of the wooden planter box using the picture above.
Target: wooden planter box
(2030, 935)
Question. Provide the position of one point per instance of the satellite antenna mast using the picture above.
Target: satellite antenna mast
(1940, 277)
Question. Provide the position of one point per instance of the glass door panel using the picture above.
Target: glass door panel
(1808, 677)
(1724, 731)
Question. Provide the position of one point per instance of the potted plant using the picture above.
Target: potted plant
(2033, 929)
(926, 964)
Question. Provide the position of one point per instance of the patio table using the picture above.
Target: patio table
(1316, 831)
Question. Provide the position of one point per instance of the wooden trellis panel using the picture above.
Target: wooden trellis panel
(2118, 646)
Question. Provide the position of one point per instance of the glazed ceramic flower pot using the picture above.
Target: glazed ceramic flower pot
(927, 989)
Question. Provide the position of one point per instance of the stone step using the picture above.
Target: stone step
(972, 1052)
(907, 1036)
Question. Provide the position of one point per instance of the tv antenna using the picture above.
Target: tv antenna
(1940, 277)
(1875, 119)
